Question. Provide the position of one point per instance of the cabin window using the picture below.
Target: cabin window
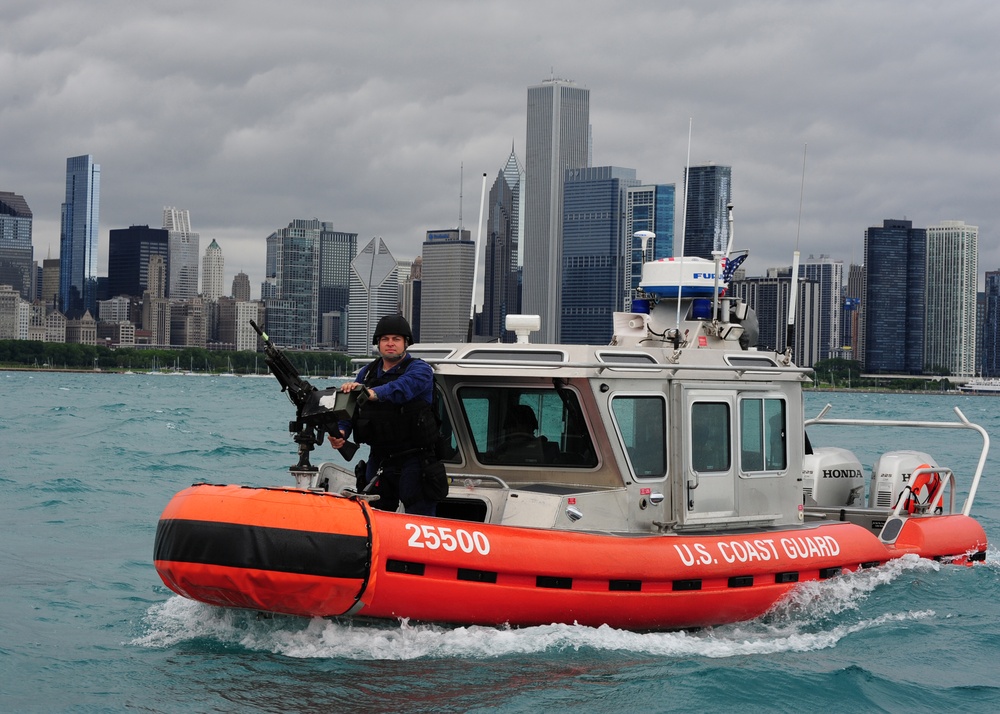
(710, 436)
(513, 426)
(762, 435)
(642, 426)
(448, 444)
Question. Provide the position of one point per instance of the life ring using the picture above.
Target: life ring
(929, 480)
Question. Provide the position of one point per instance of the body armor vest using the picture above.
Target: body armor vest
(394, 428)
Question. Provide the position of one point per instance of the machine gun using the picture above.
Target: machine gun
(317, 411)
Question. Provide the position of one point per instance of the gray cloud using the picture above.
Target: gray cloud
(251, 114)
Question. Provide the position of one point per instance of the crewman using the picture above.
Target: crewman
(397, 422)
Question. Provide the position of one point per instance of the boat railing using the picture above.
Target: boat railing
(476, 480)
(962, 423)
(947, 480)
(618, 366)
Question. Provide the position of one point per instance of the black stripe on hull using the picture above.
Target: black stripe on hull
(284, 550)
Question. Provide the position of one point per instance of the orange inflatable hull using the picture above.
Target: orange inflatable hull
(317, 554)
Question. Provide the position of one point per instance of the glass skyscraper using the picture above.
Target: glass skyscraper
(501, 295)
(893, 306)
(595, 250)
(16, 252)
(336, 251)
(649, 208)
(78, 237)
(182, 262)
(129, 252)
(991, 326)
(558, 138)
(293, 312)
(709, 191)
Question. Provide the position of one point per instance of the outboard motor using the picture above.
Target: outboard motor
(832, 477)
(892, 475)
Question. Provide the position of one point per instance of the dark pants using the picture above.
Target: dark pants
(401, 480)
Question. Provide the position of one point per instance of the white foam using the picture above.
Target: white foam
(799, 624)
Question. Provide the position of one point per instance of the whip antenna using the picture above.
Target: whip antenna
(687, 174)
(475, 269)
(793, 293)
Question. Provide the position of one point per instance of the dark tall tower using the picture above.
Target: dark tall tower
(78, 237)
(501, 296)
(558, 138)
(893, 306)
(990, 362)
(16, 253)
(594, 250)
(336, 251)
(706, 228)
(129, 252)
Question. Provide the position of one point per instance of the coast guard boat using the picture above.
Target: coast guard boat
(663, 481)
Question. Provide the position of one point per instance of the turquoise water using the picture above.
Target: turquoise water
(90, 460)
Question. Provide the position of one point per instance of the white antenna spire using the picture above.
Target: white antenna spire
(793, 298)
(461, 188)
(687, 174)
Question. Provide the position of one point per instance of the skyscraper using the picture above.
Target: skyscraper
(648, 208)
(952, 274)
(558, 138)
(129, 251)
(155, 307)
(16, 252)
(991, 326)
(241, 287)
(78, 237)
(501, 296)
(446, 285)
(337, 250)
(409, 296)
(850, 323)
(893, 306)
(293, 313)
(50, 283)
(769, 298)
(709, 191)
(182, 262)
(374, 294)
(594, 252)
(212, 272)
(830, 276)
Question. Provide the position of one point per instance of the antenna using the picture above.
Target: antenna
(475, 269)
(687, 175)
(461, 188)
(793, 293)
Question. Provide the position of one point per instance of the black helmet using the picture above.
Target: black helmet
(393, 325)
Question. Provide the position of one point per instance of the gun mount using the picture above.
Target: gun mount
(317, 411)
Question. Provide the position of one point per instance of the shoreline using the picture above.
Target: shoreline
(848, 390)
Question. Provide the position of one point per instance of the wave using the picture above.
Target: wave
(811, 618)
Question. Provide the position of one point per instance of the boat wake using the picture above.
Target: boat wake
(817, 615)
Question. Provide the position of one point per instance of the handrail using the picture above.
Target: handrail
(962, 423)
(947, 479)
(468, 480)
(620, 366)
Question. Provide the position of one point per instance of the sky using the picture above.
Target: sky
(382, 117)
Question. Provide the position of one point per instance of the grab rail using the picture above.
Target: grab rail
(962, 423)
(947, 479)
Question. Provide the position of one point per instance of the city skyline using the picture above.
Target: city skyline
(376, 143)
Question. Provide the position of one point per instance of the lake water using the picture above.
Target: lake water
(88, 461)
